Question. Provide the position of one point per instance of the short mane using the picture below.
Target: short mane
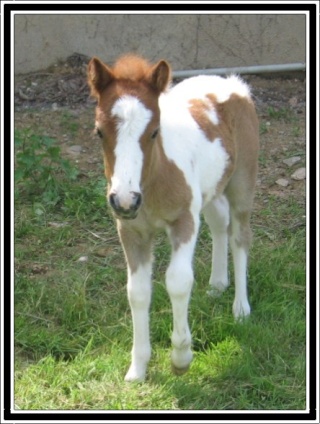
(131, 67)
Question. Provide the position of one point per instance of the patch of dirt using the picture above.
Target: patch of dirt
(57, 103)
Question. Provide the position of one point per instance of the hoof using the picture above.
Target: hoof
(217, 289)
(241, 311)
(134, 379)
(179, 371)
(215, 293)
(135, 375)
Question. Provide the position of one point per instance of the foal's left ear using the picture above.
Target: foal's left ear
(160, 76)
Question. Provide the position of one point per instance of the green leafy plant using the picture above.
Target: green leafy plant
(38, 165)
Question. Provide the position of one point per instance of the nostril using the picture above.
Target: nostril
(137, 200)
(112, 201)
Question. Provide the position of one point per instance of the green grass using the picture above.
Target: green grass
(73, 329)
(282, 113)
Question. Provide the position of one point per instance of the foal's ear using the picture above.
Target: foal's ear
(160, 76)
(99, 76)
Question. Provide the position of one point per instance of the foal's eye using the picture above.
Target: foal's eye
(154, 134)
(98, 132)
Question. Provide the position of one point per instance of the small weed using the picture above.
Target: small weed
(263, 128)
(262, 158)
(282, 113)
(296, 131)
(68, 123)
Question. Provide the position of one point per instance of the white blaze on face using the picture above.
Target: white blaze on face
(133, 118)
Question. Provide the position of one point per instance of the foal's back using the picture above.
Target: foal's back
(210, 129)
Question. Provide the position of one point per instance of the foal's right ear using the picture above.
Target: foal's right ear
(99, 76)
(160, 76)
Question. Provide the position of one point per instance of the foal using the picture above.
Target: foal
(170, 154)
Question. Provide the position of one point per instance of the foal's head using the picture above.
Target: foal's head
(127, 121)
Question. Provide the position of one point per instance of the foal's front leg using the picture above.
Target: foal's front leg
(137, 249)
(179, 281)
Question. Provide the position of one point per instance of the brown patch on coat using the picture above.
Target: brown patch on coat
(243, 239)
(166, 199)
(160, 203)
(240, 115)
(238, 130)
(182, 229)
(136, 243)
(167, 196)
(242, 118)
(199, 111)
(108, 130)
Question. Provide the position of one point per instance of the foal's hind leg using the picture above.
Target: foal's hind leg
(216, 214)
(240, 192)
(240, 236)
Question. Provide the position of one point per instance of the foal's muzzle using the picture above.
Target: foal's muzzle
(127, 209)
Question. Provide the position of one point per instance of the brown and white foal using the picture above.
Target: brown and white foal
(170, 154)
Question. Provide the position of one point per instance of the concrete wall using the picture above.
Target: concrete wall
(187, 41)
